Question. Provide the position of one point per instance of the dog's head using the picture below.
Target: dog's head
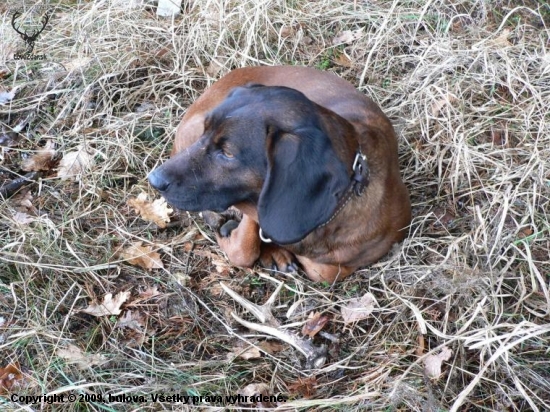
(265, 145)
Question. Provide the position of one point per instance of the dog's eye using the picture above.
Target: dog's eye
(225, 152)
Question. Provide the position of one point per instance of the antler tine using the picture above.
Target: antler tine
(263, 312)
(269, 303)
(315, 355)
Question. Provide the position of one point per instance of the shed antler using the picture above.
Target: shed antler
(315, 355)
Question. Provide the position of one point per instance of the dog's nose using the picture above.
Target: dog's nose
(158, 180)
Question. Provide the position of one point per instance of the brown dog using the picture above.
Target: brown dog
(309, 161)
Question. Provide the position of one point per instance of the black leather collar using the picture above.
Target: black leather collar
(359, 180)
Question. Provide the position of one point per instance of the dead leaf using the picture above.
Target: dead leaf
(77, 63)
(132, 320)
(75, 163)
(133, 338)
(502, 39)
(248, 352)
(22, 201)
(42, 160)
(9, 139)
(271, 347)
(419, 351)
(142, 256)
(168, 8)
(525, 232)
(221, 266)
(161, 51)
(149, 293)
(498, 137)
(291, 31)
(6, 97)
(145, 107)
(109, 306)
(216, 66)
(287, 31)
(23, 218)
(157, 212)
(11, 379)
(307, 41)
(343, 60)
(74, 355)
(445, 216)
(214, 288)
(438, 105)
(432, 363)
(254, 389)
(348, 36)
(358, 308)
(316, 321)
(305, 387)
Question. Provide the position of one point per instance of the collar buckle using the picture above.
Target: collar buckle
(360, 161)
(360, 178)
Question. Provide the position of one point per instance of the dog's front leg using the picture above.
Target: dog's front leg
(238, 236)
(240, 241)
(322, 272)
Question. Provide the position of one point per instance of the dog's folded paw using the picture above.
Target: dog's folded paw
(228, 227)
(218, 221)
(276, 258)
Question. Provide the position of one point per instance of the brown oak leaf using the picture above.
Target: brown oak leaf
(245, 352)
(148, 293)
(432, 363)
(271, 347)
(316, 321)
(156, 211)
(73, 354)
(43, 159)
(75, 163)
(254, 389)
(132, 320)
(306, 387)
(109, 306)
(11, 378)
(343, 60)
(142, 256)
(348, 36)
(23, 218)
(358, 308)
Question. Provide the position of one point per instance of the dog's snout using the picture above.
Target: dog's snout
(158, 180)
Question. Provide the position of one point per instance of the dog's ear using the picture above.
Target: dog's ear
(305, 180)
(240, 90)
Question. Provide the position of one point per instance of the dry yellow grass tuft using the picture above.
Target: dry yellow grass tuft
(466, 84)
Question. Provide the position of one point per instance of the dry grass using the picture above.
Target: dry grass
(467, 85)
